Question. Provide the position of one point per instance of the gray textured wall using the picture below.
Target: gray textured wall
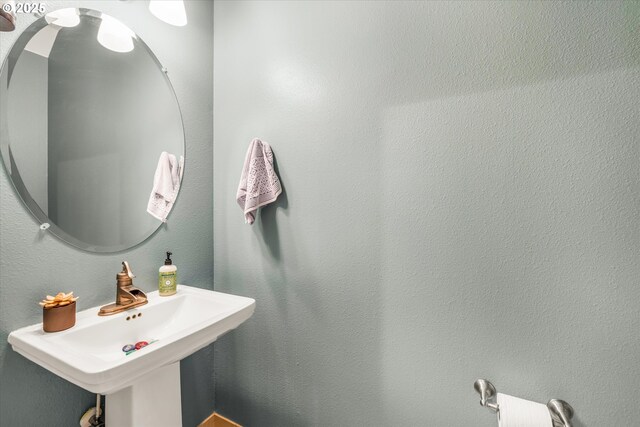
(34, 264)
(461, 201)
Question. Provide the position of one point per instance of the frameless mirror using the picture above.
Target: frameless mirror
(85, 112)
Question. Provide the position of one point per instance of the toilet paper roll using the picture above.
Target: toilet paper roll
(516, 412)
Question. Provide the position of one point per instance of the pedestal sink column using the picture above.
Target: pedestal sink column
(153, 401)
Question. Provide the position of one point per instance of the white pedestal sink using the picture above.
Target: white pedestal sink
(142, 387)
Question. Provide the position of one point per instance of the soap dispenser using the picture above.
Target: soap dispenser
(167, 278)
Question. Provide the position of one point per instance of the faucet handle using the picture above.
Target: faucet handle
(126, 269)
(125, 277)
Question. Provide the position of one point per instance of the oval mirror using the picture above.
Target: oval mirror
(86, 113)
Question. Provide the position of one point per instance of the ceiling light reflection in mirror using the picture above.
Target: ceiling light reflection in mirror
(67, 18)
(42, 42)
(114, 35)
(170, 11)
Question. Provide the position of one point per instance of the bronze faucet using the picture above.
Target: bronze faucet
(127, 296)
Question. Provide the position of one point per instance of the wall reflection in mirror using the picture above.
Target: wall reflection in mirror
(85, 113)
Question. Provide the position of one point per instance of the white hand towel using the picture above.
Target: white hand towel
(259, 183)
(166, 183)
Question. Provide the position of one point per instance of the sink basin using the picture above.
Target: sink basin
(90, 354)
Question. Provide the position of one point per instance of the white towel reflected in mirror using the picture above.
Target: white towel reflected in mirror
(166, 184)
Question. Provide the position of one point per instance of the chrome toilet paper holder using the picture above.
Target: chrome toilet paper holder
(561, 412)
